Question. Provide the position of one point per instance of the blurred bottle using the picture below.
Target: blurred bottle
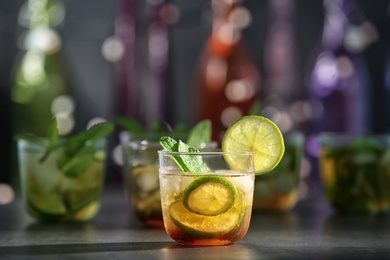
(41, 86)
(140, 52)
(142, 72)
(122, 51)
(339, 82)
(282, 99)
(228, 78)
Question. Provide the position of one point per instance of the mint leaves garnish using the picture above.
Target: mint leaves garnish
(130, 125)
(186, 162)
(78, 150)
(200, 135)
(158, 128)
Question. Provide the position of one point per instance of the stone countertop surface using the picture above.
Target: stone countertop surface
(312, 230)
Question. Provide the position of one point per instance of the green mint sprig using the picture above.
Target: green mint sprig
(187, 163)
(255, 109)
(77, 150)
(200, 135)
(130, 125)
(156, 127)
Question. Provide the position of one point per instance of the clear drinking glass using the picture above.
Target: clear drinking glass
(355, 172)
(278, 190)
(51, 195)
(140, 175)
(212, 206)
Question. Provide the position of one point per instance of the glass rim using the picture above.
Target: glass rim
(214, 152)
(128, 140)
(352, 136)
(296, 137)
(331, 139)
(359, 135)
(144, 143)
(147, 136)
(27, 144)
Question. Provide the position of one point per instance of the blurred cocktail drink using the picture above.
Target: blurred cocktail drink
(140, 174)
(50, 194)
(278, 190)
(355, 172)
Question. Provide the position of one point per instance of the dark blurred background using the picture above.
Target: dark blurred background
(89, 27)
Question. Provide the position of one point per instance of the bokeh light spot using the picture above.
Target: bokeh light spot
(345, 67)
(301, 111)
(326, 71)
(170, 13)
(117, 155)
(7, 194)
(65, 123)
(113, 49)
(216, 72)
(229, 115)
(305, 168)
(228, 34)
(63, 104)
(283, 120)
(239, 90)
(240, 17)
(94, 121)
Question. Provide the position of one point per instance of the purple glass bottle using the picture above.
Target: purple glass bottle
(338, 82)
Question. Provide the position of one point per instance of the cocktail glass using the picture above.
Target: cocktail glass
(187, 225)
(140, 176)
(355, 172)
(278, 190)
(51, 195)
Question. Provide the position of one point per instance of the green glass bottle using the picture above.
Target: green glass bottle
(40, 82)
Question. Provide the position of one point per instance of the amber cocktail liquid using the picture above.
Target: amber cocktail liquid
(205, 208)
(140, 174)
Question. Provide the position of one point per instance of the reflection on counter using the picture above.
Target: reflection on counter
(235, 251)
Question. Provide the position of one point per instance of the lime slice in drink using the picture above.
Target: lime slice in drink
(202, 226)
(81, 192)
(76, 200)
(254, 134)
(209, 195)
(87, 212)
(44, 199)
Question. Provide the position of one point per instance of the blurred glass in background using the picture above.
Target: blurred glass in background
(355, 172)
(280, 190)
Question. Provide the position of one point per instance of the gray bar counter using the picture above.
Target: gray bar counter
(310, 231)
